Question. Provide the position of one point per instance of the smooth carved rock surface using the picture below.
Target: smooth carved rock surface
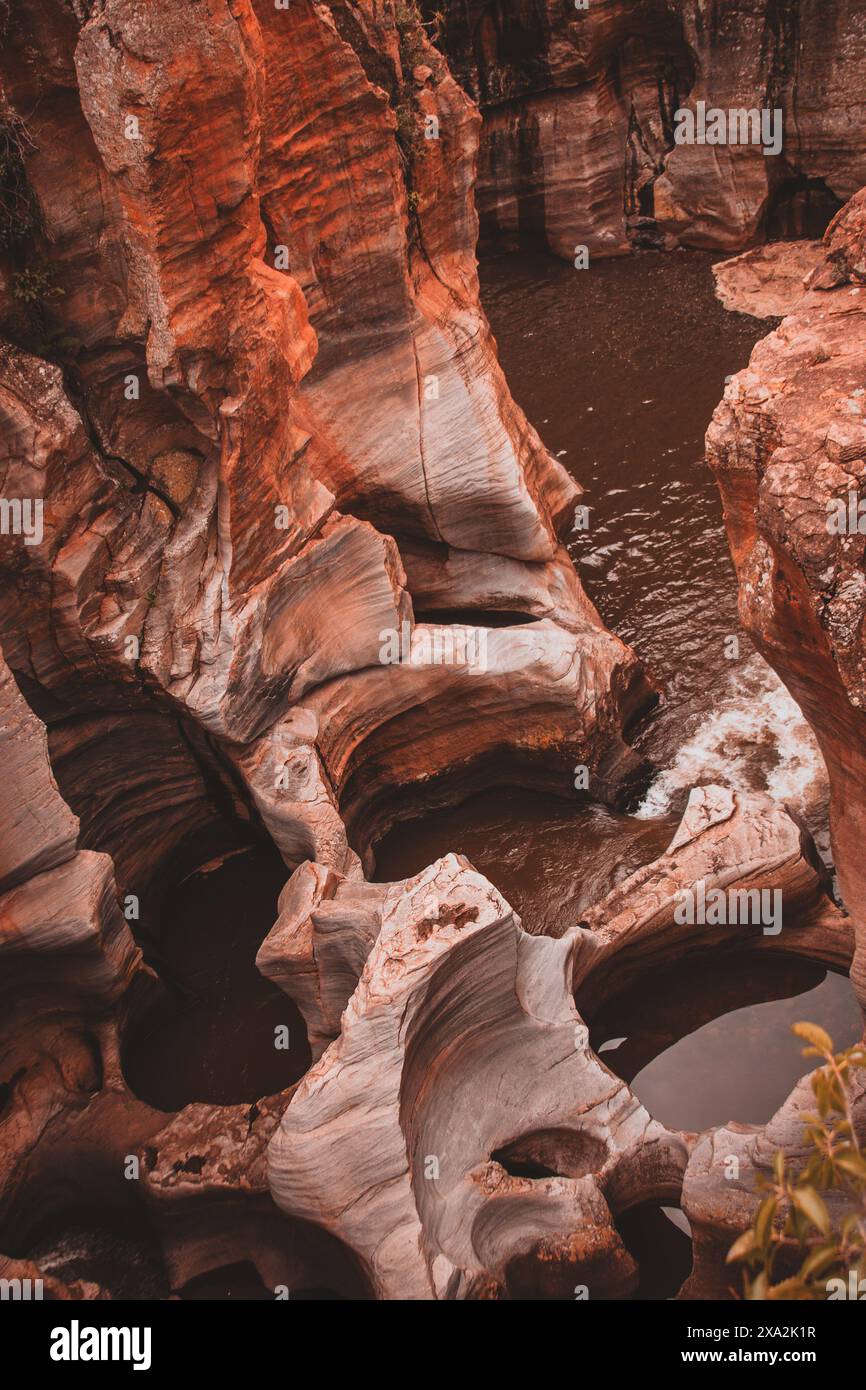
(37, 829)
(63, 939)
(726, 842)
(263, 413)
(328, 923)
(67, 959)
(544, 698)
(578, 139)
(385, 1145)
(204, 1178)
(432, 995)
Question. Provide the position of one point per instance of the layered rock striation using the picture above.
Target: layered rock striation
(262, 484)
(250, 385)
(459, 1134)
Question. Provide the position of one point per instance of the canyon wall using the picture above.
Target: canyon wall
(578, 104)
(788, 447)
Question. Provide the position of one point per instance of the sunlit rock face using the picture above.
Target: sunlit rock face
(458, 1133)
(579, 103)
(388, 1145)
(253, 408)
(247, 372)
(768, 281)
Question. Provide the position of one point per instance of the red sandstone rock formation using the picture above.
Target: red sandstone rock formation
(445, 1000)
(787, 445)
(67, 959)
(385, 1145)
(245, 374)
(37, 829)
(844, 242)
(725, 842)
(328, 923)
(768, 281)
(270, 398)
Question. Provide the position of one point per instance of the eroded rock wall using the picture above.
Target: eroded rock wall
(578, 105)
(249, 380)
(458, 1133)
(788, 446)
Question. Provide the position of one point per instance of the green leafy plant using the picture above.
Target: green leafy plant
(34, 285)
(801, 1246)
(410, 34)
(407, 129)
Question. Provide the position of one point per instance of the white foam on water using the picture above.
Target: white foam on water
(755, 739)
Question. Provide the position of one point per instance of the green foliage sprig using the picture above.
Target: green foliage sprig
(820, 1243)
(35, 285)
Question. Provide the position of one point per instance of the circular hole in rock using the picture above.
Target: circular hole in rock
(549, 1153)
(709, 1041)
(210, 1034)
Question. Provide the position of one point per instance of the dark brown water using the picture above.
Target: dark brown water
(710, 1040)
(540, 851)
(620, 368)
